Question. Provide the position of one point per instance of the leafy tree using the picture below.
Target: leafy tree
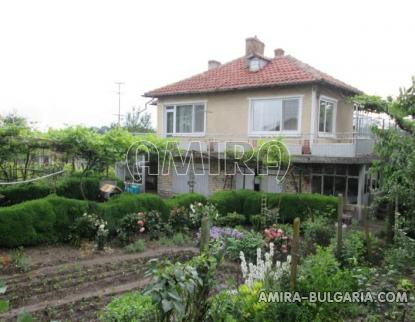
(137, 121)
(395, 148)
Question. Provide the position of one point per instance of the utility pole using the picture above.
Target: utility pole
(119, 102)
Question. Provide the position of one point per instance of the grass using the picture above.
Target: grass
(137, 247)
(178, 239)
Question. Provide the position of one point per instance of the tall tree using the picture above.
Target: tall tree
(137, 121)
(395, 148)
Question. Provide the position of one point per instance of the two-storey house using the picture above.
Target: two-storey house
(254, 97)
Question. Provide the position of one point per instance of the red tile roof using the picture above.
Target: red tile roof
(235, 75)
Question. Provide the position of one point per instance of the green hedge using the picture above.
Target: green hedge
(291, 205)
(70, 187)
(48, 220)
(126, 203)
(185, 200)
(23, 192)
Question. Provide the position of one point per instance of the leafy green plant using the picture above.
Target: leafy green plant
(136, 247)
(355, 250)
(199, 210)
(130, 307)
(178, 239)
(180, 219)
(4, 304)
(248, 244)
(318, 231)
(19, 259)
(322, 272)
(90, 227)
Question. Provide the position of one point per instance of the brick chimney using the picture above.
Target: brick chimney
(254, 46)
(279, 52)
(212, 64)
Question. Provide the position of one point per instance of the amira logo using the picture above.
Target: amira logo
(233, 158)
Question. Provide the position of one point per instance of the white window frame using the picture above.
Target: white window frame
(287, 133)
(334, 120)
(174, 105)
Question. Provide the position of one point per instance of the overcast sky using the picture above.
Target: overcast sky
(59, 59)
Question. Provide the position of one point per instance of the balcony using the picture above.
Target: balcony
(343, 145)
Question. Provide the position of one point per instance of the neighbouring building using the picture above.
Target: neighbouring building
(255, 97)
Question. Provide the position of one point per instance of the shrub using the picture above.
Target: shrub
(90, 227)
(70, 187)
(199, 210)
(185, 200)
(401, 256)
(118, 206)
(355, 249)
(248, 244)
(180, 219)
(28, 223)
(137, 247)
(318, 232)
(227, 201)
(248, 202)
(322, 272)
(232, 219)
(23, 192)
(130, 307)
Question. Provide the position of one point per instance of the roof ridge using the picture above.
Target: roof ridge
(315, 73)
(221, 66)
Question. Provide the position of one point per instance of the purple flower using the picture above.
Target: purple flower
(222, 233)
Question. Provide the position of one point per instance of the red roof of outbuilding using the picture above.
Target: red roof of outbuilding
(235, 75)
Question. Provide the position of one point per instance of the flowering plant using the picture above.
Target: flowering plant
(199, 210)
(222, 233)
(278, 237)
(89, 226)
(263, 268)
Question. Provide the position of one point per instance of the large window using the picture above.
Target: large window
(327, 116)
(275, 115)
(185, 119)
(332, 180)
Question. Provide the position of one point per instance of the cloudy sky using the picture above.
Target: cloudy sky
(59, 59)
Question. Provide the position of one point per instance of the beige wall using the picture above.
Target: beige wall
(227, 113)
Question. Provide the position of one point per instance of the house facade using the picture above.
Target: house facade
(253, 98)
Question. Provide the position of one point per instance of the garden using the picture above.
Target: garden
(67, 254)
(186, 258)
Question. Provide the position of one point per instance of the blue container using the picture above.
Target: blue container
(133, 188)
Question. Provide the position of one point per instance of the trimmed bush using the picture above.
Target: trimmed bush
(49, 219)
(28, 223)
(301, 205)
(23, 192)
(130, 307)
(70, 187)
(126, 203)
(185, 200)
(231, 220)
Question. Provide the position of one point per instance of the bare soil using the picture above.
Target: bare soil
(73, 284)
(69, 284)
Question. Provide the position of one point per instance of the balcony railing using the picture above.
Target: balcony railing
(341, 145)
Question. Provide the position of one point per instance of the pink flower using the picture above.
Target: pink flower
(140, 222)
(142, 229)
(284, 248)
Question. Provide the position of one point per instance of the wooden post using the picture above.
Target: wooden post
(295, 256)
(339, 244)
(367, 233)
(204, 234)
